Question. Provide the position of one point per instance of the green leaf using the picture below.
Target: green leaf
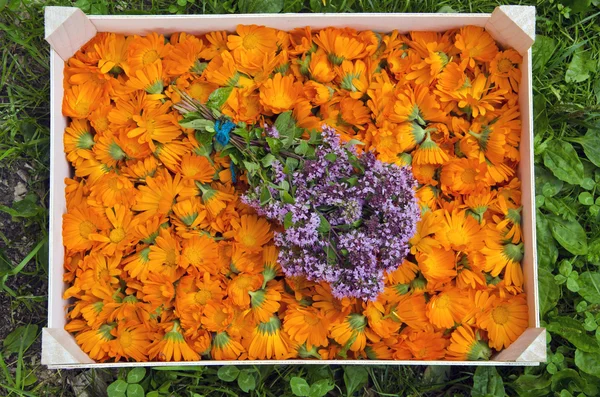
(353, 142)
(135, 390)
(197, 124)
(287, 198)
(487, 382)
(274, 144)
(26, 208)
(268, 160)
(117, 389)
(321, 387)
(286, 125)
(331, 157)
(260, 6)
(302, 148)
(563, 378)
(153, 394)
(588, 362)
(543, 48)
(299, 387)
(265, 195)
(228, 373)
(546, 182)
(287, 220)
(246, 381)
(572, 330)
(547, 251)
(291, 164)
(549, 291)
(136, 375)
(562, 160)
(577, 6)
(586, 198)
(251, 167)
(597, 90)
(218, 97)
(354, 378)
(569, 234)
(591, 144)
(532, 385)
(24, 335)
(580, 67)
(324, 225)
(589, 286)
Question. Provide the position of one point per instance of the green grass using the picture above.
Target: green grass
(567, 126)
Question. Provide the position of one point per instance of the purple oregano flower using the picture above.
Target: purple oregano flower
(351, 218)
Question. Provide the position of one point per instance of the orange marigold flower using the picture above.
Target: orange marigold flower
(253, 38)
(80, 100)
(79, 225)
(269, 341)
(475, 44)
(427, 345)
(467, 344)
(172, 346)
(113, 51)
(505, 320)
(306, 325)
(131, 341)
(448, 307)
(280, 93)
(146, 50)
(95, 342)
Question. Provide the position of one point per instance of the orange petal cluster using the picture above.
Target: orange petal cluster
(165, 262)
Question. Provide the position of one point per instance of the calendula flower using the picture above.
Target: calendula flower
(113, 53)
(199, 252)
(264, 302)
(468, 344)
(252, 38)
(79, 225)
(459, 232)
(146, 50)
(78, 141)
(130, 341)
(280, 93)
(80, 100)
(351, 332)
(252, 232)
(155, 124)
(438, 265)
(225, 348)
(95, 342)
(121, 235)
(268, 341)
(172, 346)
(426, 345)
(183, 55)
(339, 44)
(429, 152)
(505, 319)
(448, 307)
(217, 316)
(501, 256)
(165, 254)
(240, 287)
(475, 44)
(157, 196)
(506, 73)
(149, 79)
(306, 325)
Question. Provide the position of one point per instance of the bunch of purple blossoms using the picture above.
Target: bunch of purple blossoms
(349, 220)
